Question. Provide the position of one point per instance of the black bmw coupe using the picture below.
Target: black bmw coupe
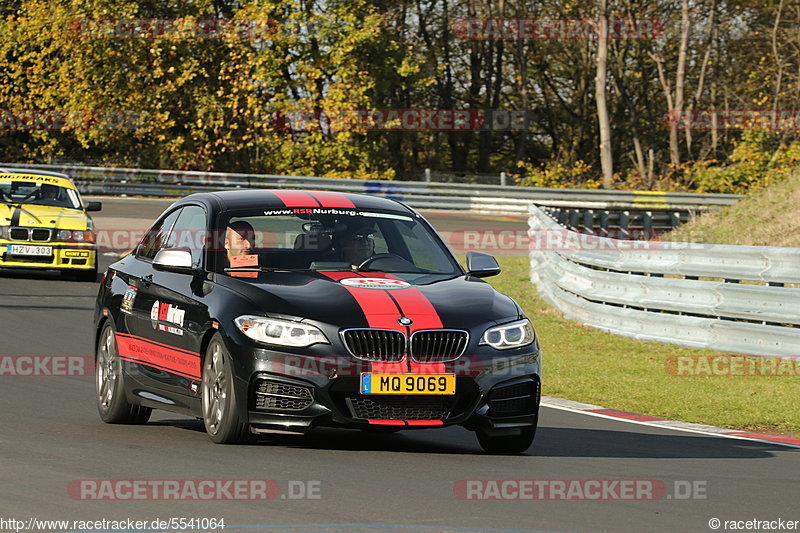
(263, 310)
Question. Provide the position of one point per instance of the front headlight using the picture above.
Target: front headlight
(66, 235)
(280, 332)
(509, 336)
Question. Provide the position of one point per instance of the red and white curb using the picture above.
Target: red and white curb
(654, 421)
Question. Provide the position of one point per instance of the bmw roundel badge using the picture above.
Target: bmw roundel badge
(405, 321)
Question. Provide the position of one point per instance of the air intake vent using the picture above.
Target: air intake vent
(401, 407)
(277, 396)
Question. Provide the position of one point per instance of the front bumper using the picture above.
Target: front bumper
(495, 392)
(73, 256)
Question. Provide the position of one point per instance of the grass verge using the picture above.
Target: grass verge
(768, 217)
(587, 365)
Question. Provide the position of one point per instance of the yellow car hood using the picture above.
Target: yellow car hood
(43, 216)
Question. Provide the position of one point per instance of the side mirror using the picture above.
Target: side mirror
(94, 206)
(174, 261)
(481, 265)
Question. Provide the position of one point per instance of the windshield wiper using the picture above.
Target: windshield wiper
(263, 269)
(392, 271)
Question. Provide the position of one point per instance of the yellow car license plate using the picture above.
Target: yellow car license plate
(27, 249)
(389, 383)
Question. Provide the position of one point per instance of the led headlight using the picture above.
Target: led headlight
(509, 336)
(280, 332)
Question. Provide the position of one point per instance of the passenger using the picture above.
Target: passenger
(240, 238)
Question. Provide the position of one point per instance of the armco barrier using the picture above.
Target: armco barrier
(418, 194)
(729, 298)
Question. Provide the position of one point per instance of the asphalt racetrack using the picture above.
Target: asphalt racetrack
(344, 480)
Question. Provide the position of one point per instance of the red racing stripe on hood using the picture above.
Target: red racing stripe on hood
(380, 310)
(416, 306)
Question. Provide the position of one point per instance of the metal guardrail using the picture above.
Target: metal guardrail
(473, 197)
(680, 293)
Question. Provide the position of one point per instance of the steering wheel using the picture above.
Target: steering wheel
(387, 256)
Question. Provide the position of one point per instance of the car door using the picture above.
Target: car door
(146, 362)
(176, 309)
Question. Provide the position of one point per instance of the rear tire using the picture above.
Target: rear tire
(220, 406)
(505, 444)
(113, 406)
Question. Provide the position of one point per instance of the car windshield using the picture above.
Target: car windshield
(37, 193)
(331, 240)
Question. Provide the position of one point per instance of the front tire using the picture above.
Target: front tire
(113, 406)
(220, 411)
(507, 444)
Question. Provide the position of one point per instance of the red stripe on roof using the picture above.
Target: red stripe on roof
(296, 198)
(332, 199)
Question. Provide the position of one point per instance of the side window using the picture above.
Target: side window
(156, 237)
(190, 232)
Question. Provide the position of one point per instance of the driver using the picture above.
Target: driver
(48, 192)
(239, 239)
(355, 244)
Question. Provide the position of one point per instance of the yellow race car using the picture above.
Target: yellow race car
(44, 224)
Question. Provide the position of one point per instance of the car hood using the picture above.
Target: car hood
(460, 302)
(42, 216)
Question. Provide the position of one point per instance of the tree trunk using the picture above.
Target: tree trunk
(606, 160)
(680, 84)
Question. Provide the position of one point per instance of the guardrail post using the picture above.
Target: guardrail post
(428, 175)
(503, 179)
(624, 222)
(604, 220)
(588, 219)
(675, 219)
(574, 218)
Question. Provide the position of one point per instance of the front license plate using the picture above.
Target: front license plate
(386, 383)
(27, 249)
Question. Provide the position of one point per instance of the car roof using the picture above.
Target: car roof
(33, 172)
(294, 198)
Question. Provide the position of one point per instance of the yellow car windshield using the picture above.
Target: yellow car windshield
(37, 193)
